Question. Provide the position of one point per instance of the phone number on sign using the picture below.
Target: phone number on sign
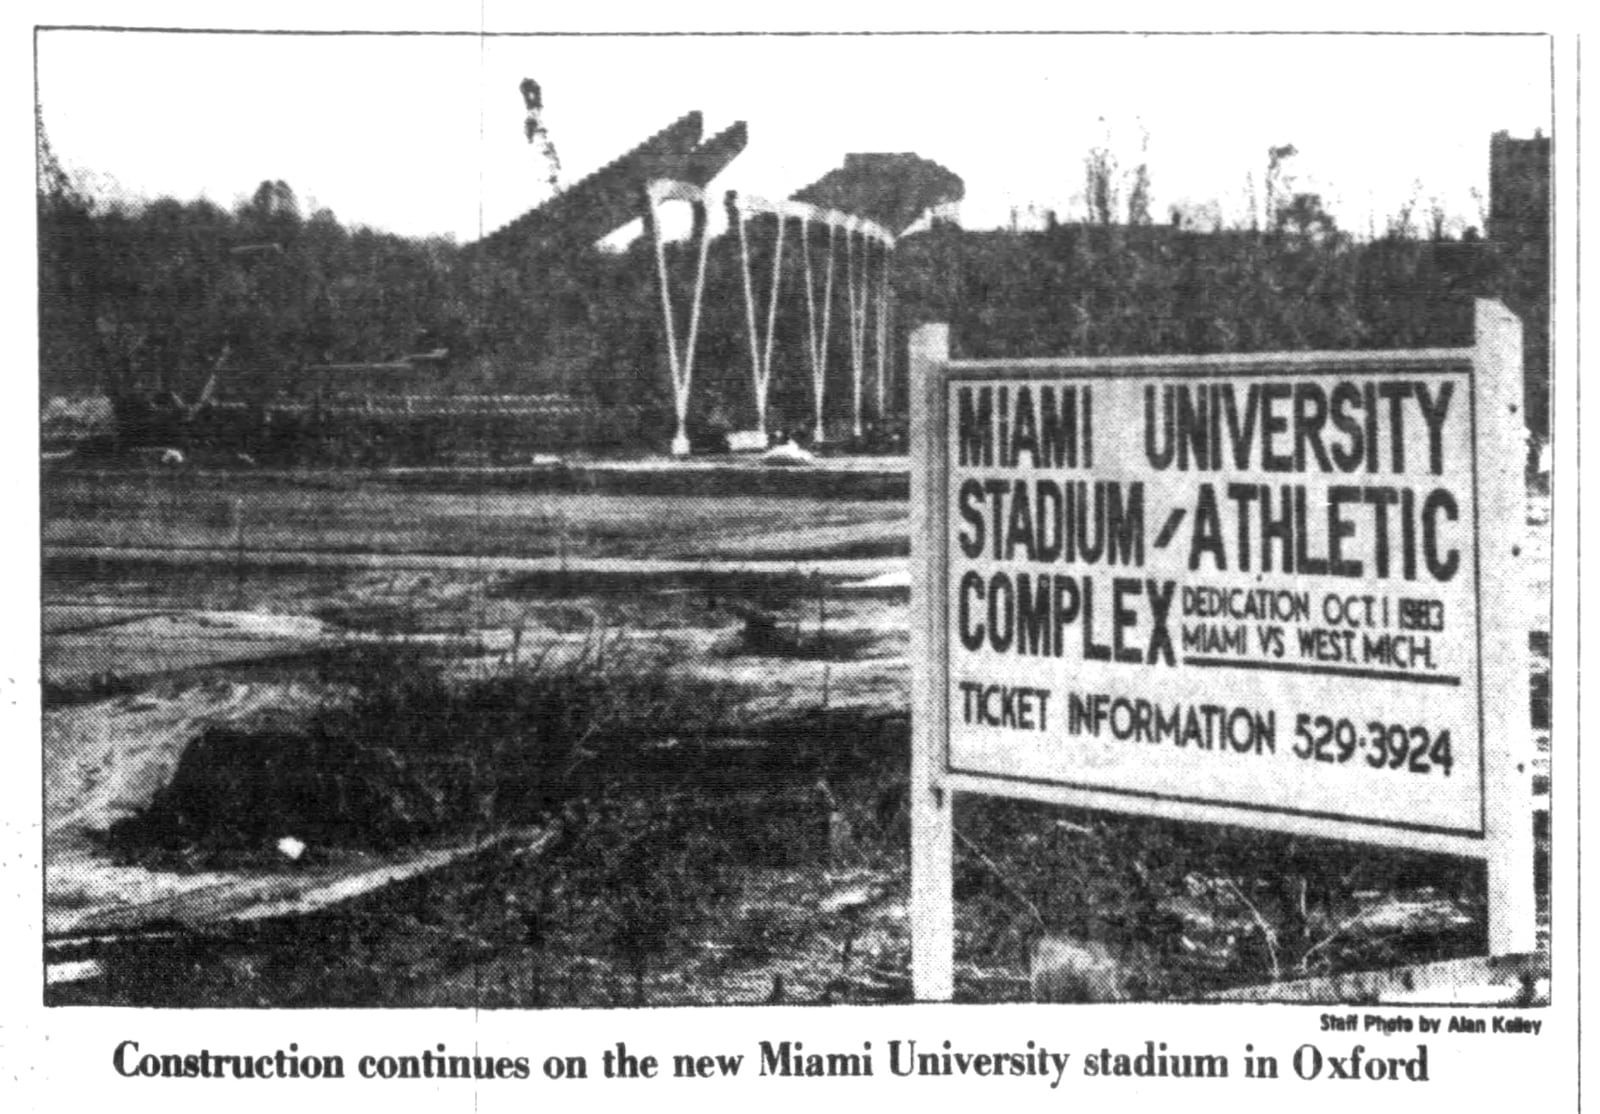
(1383, 746)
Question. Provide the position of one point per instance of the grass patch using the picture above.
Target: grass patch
(646, 896)
(416, 754)
(704, 872)
(1191, 908)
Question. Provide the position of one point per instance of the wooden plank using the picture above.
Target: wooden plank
(932, 825)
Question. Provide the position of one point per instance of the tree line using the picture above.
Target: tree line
(163, 296)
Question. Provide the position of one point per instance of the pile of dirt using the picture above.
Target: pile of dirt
(416, 754)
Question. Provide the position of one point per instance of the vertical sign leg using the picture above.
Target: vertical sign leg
(932, 880)
(1497, 367)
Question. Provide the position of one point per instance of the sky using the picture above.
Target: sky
(423, 135)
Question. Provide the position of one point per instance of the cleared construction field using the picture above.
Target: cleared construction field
(401, 515)
(299, 750)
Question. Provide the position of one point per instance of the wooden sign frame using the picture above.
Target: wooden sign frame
(1492, 368)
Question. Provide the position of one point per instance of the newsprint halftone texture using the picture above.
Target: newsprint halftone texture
(527, 621)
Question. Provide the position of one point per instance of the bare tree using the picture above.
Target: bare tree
(1139, 196)
(1403, 225)
(1139, 189)
(1438, 220)
(1100, 184)
(1278, 184)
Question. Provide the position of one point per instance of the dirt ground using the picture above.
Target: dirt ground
(804, 897)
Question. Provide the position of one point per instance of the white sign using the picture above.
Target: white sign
(1251, 587)
(1268, 590)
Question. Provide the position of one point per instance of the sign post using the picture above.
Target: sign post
(1497, 371)
(932, 831)
(1276, 591)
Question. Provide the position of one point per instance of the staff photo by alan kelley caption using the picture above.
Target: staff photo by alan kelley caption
(540, 525)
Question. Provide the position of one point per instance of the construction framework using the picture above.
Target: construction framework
(851, 204)
(680, 363)
(867, 302)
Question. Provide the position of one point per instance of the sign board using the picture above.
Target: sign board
(1272, 590)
